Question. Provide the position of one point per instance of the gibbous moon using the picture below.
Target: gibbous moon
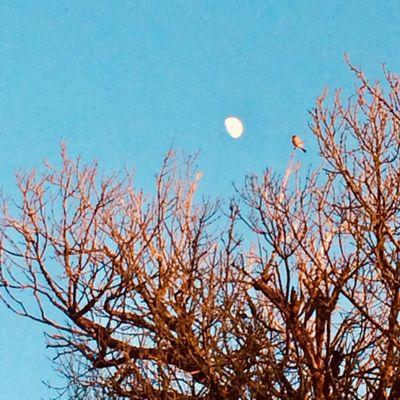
(234, 127)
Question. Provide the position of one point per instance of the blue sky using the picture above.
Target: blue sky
(123, 80)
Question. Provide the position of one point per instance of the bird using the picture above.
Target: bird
(337, 358)
(298, 143)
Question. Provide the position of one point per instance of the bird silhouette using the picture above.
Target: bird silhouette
(298, 143)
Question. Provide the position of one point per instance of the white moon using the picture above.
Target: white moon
(234, 127)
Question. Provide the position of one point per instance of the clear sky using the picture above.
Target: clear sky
(123, 80)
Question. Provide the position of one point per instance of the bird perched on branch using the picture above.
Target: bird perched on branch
(337, 358)
(298, 143)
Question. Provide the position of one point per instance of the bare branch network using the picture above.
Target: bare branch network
(163, 298)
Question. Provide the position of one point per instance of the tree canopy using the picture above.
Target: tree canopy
(290, 291)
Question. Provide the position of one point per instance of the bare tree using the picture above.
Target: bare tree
(161, 298)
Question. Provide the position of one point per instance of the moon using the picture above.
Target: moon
(234, 127)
